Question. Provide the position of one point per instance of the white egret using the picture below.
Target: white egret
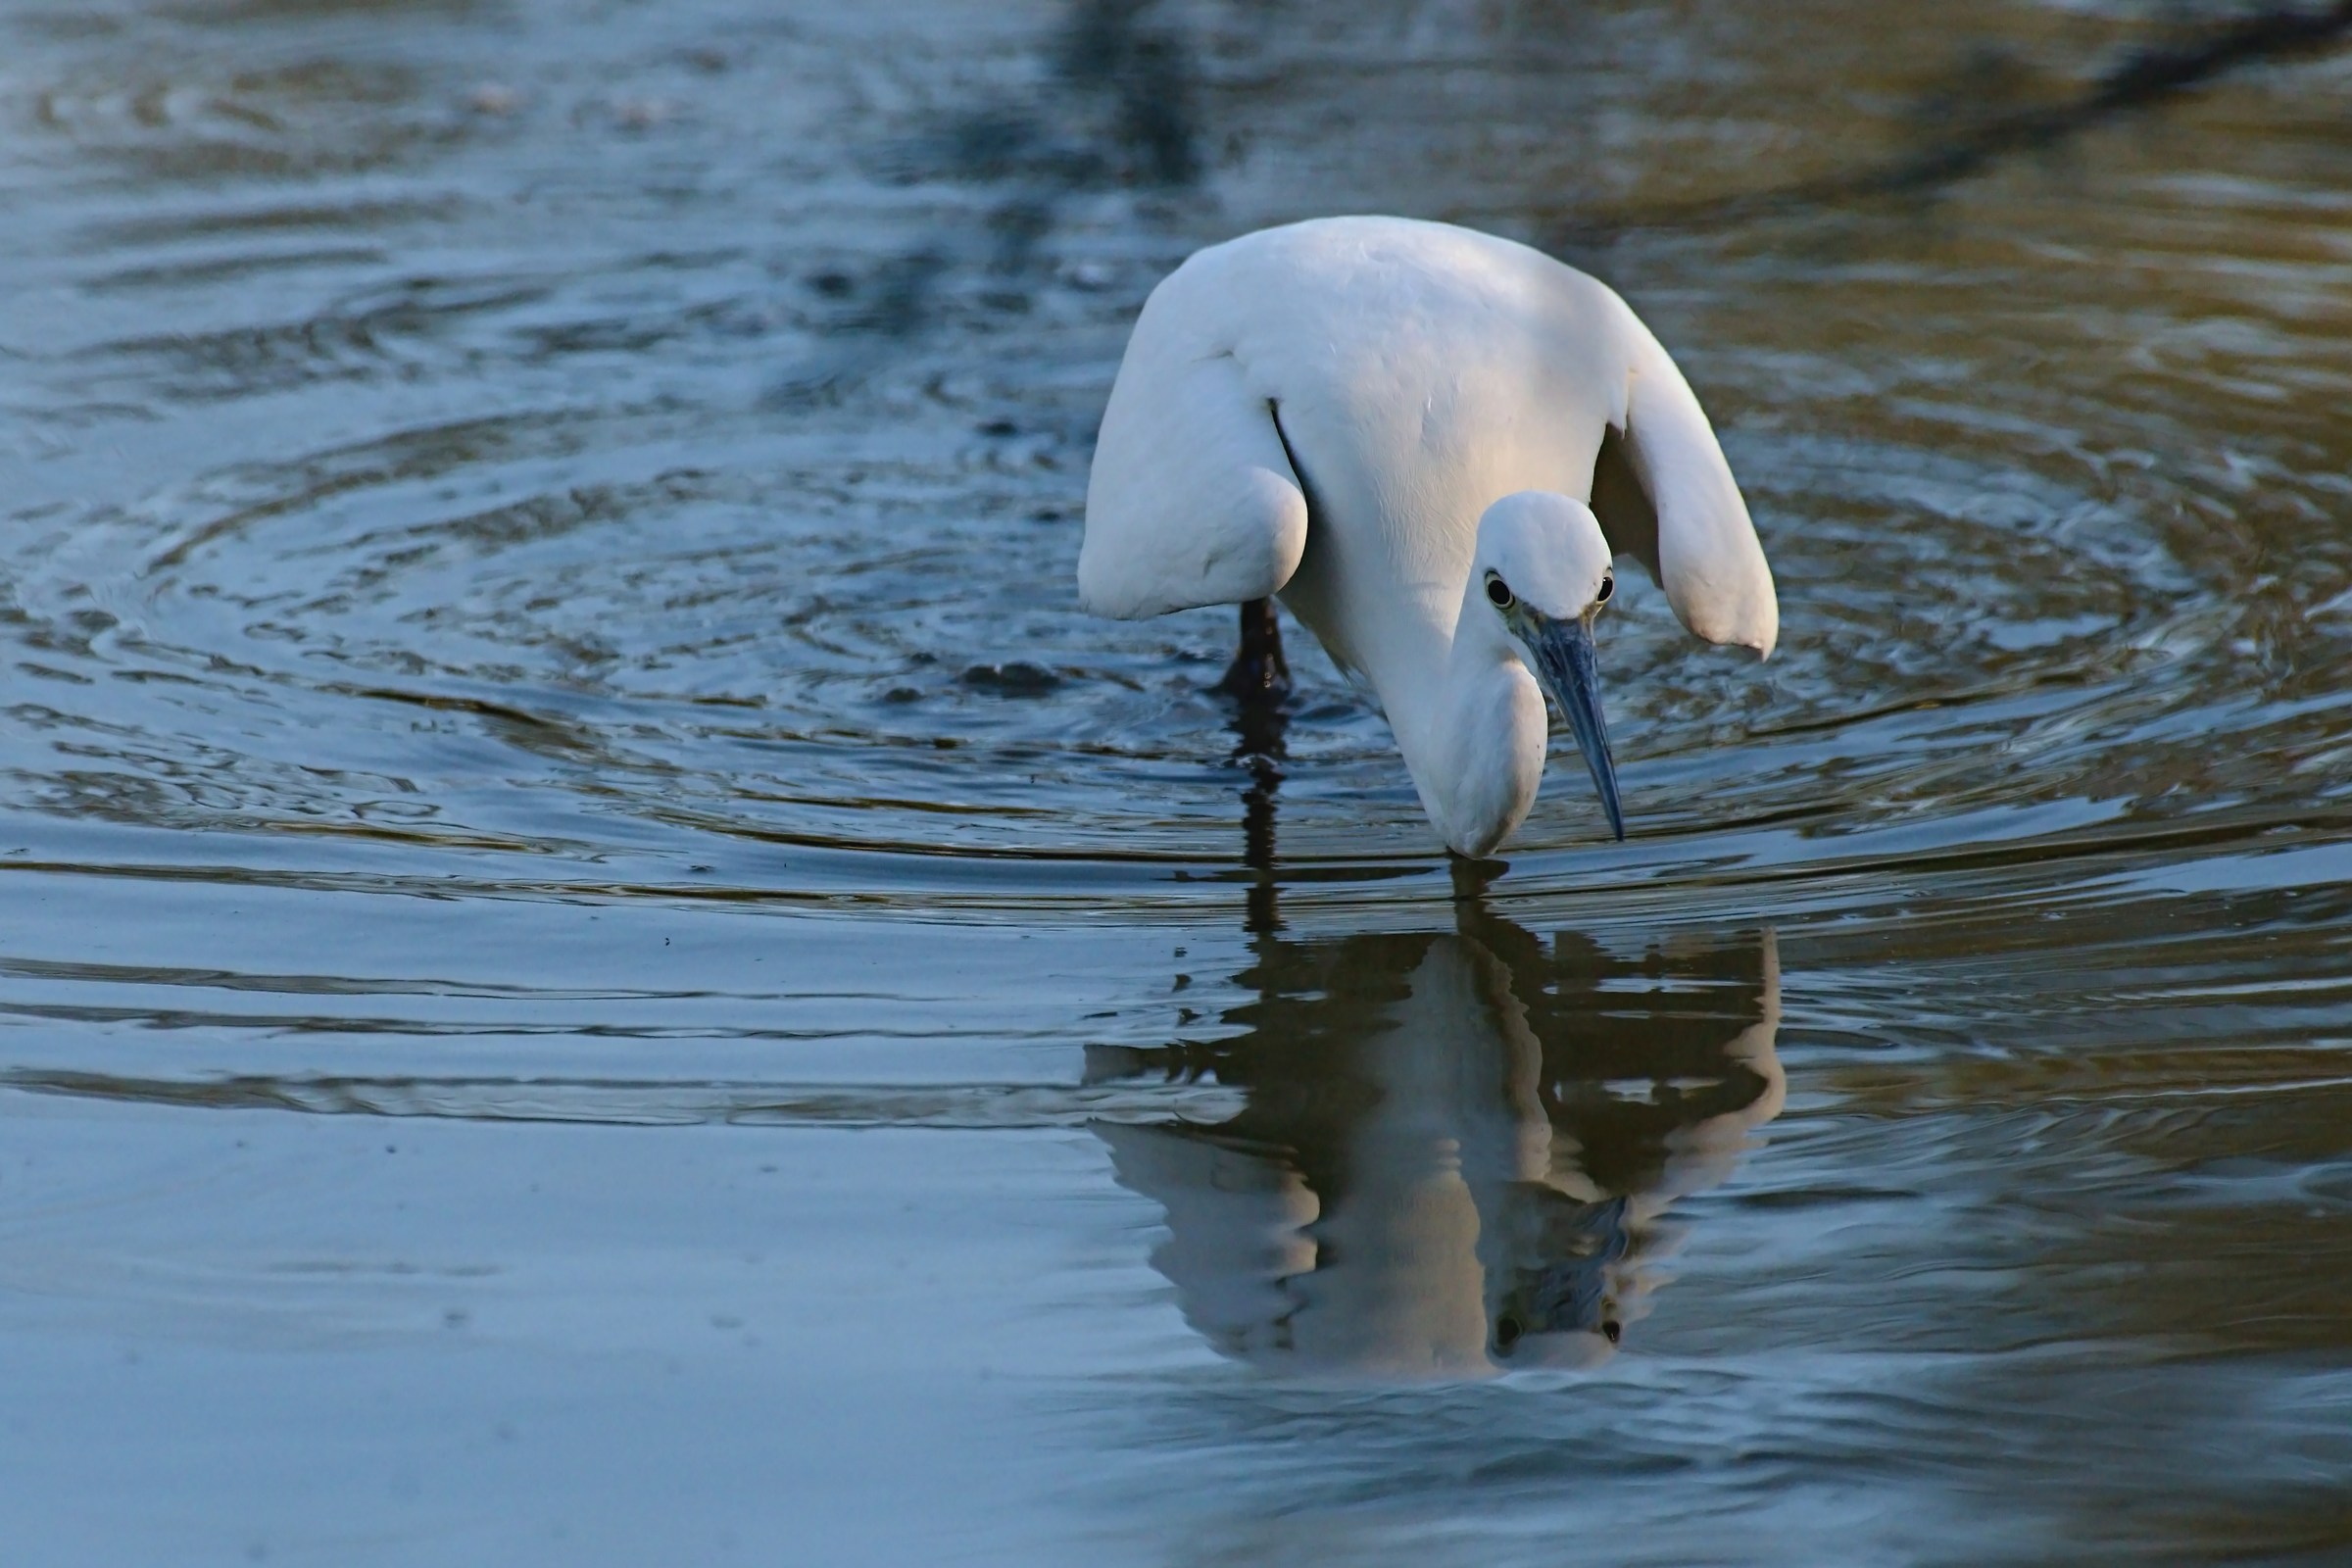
(1431, 443)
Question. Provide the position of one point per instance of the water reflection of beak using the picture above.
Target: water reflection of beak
(1562, 656)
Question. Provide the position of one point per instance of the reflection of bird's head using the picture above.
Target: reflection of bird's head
(1556, 1306)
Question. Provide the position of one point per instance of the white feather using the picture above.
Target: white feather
(1325, 410)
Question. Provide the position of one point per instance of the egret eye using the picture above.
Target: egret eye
(1608, 586)
(1498, 592)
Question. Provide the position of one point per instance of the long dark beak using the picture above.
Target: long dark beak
(1565, 666)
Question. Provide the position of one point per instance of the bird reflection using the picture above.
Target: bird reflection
(1456, 1151)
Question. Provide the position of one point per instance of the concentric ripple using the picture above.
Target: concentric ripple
(594, 951)
(589, 542)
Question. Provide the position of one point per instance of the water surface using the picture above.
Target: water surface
(598, 967)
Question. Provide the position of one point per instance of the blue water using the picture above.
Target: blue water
(597, 966)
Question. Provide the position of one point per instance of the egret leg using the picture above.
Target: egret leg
(1257, 673)
(1259, 681)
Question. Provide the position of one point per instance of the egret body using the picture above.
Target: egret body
(1431, 444)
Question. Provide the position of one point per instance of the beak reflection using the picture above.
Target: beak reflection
(1567, 667)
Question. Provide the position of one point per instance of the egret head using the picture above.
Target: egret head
(1543, 567)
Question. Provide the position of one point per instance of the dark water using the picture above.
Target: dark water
(597, 967)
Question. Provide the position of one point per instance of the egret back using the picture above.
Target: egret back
(1390, 378)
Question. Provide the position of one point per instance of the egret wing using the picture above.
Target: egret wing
(1664, 494)
(1237, 1229)
(1193, 500)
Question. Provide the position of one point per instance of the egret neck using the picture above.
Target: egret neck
(1466, 697)
(1472, 728)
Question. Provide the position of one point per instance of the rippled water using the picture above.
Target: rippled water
(598, 967)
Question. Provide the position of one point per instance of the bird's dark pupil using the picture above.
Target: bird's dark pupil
(1498, 592)
(1608, 586)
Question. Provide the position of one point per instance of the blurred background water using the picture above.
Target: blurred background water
(597, 967)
